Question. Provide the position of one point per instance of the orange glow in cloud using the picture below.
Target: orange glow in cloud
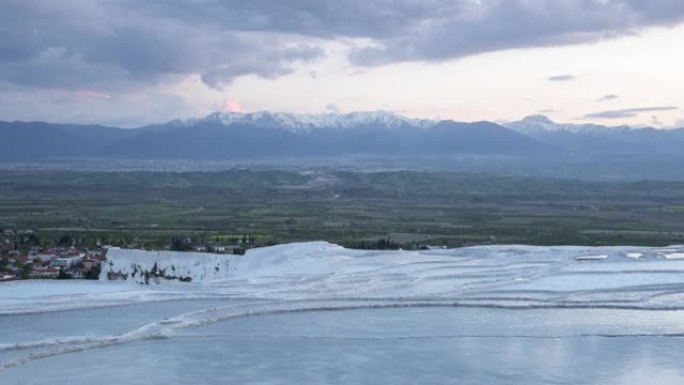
(93, 95)
(231, 106)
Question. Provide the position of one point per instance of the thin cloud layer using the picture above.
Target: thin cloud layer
(608, 97)
(560, 78)
(627, 113)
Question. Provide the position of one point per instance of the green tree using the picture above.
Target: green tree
(66, 240)
(63, 274)
(34, 240)
(26, 270)
(92, 273)
(4, 262)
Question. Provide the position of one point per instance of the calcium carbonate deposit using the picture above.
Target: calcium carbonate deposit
(193, 302)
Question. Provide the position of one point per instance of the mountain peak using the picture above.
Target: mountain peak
(535, 125)
(306, 122)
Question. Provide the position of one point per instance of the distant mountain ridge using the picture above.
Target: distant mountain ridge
(593, 139)
(305, 122)
(535, 125)
(258, 135)
(231, 136)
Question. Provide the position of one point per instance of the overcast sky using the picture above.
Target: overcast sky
(128, 62)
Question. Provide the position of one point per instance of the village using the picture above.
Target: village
(22, 256)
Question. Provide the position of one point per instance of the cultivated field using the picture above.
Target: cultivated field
(146, 209)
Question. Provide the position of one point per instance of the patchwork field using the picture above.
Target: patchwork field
(145, 209)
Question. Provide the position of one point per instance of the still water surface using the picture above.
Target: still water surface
(387, 346)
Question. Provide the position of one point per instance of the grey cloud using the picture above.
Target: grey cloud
(656, 122)
(265, 64)
(496, 25)
(330, 107)
(344, 18)
(626, 113)
(123, 43)
(426, 30)
(608, 97)
(666, 11)
(560, 78)
(77, 43)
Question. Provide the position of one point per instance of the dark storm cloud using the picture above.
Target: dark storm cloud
(626, 113)
(117, 43)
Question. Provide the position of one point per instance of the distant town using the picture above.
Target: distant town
(24, 256)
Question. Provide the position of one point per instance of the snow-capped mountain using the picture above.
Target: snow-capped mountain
(536, 125)
(265, 136)
(582, 140)
(306, 122)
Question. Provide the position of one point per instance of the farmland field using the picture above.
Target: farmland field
(146, 208)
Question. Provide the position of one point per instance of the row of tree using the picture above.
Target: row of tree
(380, 244)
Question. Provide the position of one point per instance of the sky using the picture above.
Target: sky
(128, 63)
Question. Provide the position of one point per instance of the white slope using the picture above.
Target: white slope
(491, 275)
(536, 125)
(143, 266)
(508, 276)
(306, 122)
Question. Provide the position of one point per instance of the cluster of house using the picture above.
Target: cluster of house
(50, 262)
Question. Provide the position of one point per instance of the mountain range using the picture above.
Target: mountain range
(259, 135)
